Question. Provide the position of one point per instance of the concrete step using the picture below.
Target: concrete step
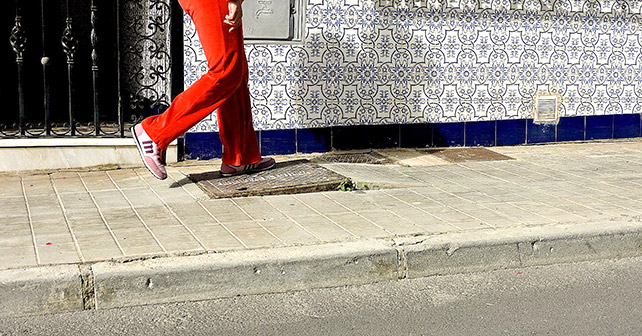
(64, 153)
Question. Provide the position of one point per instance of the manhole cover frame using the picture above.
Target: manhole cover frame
(214, 185)
(368, 157)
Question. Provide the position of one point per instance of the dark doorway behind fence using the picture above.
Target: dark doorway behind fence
(87, 67)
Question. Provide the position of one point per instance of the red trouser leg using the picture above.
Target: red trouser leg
(223, 87)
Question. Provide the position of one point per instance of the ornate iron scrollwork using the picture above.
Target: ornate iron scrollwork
(147, 57)
(94, 36)
(69, 42)
(18, 38)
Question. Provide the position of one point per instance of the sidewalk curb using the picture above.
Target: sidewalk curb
(243, 272)
(519, 247)
(40, 290)
(102, 285)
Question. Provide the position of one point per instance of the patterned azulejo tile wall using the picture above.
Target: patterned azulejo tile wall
(367, 62)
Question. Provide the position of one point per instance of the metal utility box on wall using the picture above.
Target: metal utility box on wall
(272, 20)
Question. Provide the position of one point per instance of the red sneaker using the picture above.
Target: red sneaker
(265, 164)
(153, 157)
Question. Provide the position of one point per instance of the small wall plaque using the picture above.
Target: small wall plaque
(546, 109)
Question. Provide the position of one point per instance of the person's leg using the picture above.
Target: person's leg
(240, 145)
(224, 87)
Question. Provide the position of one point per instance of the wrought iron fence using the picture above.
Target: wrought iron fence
(87, 67)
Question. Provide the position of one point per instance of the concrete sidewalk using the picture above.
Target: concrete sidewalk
(73, 240)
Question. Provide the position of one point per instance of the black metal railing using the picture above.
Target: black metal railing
(87, 67)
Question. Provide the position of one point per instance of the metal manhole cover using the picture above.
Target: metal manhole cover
(292, 177)
(368, 157)
(474, 154)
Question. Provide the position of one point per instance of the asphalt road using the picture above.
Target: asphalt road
(593, 298)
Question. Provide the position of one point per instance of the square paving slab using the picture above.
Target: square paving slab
(292, 177)
(471, 154)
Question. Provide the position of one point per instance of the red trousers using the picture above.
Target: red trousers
(224, 87)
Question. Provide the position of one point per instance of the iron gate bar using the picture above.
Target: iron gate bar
(18, 41)
(94, 65)
(69, 45)
(45, 82)
(119, 66)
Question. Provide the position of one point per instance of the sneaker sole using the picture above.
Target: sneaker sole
(140, 152)
(250, 171)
